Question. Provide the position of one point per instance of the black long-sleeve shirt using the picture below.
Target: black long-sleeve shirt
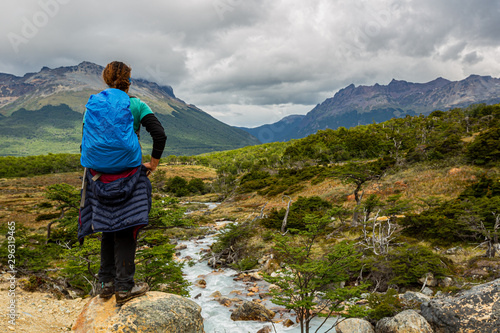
(155, 129)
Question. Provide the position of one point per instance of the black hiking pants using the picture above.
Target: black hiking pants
(117, 258)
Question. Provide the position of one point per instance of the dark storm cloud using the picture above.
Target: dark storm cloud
(253, 61)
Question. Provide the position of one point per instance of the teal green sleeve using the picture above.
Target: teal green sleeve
(139, 110)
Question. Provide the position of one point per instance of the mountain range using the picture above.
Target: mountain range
(362, 105)
(42, 112)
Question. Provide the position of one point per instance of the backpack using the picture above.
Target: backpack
(109, 143)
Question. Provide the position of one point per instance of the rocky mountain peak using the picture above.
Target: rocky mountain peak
(90, 67)
(352, 106)
(51, 83)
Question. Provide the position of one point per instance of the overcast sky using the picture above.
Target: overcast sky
(253, 62)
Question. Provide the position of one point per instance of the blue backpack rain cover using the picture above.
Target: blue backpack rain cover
(109, 143)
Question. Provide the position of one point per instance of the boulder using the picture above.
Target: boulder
(408, 321)
(446, 282)
(454, 250)
(427, 291)
(252, 311)
(354, 325)
(153, 312)
(255, 276)
(201, 283)
(412, 297)
(475, 310)
(429, 280)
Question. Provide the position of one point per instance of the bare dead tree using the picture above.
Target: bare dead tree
(379, 236)
(261, 215)
(285, 219)
(490, 235)
(397, 147)
(496, 232)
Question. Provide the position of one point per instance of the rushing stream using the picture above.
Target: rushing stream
(216, 316)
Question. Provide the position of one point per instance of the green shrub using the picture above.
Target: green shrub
(47, 216)
(156, 266)
(485, 148)
(245, 264)
(231, 234)
(404, 266)
(457, 220)
(45, 204)
(196, 186)
(384, 304)
(410, 262)
(177, 186)
(298, 210)
(273, 190)
(255, 184)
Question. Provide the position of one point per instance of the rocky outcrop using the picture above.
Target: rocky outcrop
(354, 325)
(475, 310)
(413, 298)
(153, 312)
(252, 311)
(408, 321)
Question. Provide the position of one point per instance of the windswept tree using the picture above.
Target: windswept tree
(68, 201)
(359, 174)
(310, 281)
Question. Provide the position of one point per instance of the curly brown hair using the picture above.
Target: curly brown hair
(117, 75)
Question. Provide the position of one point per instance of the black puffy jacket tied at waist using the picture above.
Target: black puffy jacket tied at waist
(115, 202)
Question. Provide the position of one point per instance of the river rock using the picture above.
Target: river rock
(354, 325)
(408, 321)
(288, 323)
(201, 283)
(224, 301)
(273, 287)
(255, 276)
(475, 310)
(153, 312)
(265, 329)
(180, 247)
(252, 311)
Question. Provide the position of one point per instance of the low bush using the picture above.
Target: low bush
(404, 266)
(384, 304)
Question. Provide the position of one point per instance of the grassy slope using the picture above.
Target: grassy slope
(58, 130)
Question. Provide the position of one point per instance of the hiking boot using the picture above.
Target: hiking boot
(107, 290)
(137, 290)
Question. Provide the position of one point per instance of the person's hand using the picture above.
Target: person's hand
(152, 165)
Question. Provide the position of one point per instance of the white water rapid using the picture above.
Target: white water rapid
(216, 316)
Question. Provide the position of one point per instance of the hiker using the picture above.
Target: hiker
(116, 194)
